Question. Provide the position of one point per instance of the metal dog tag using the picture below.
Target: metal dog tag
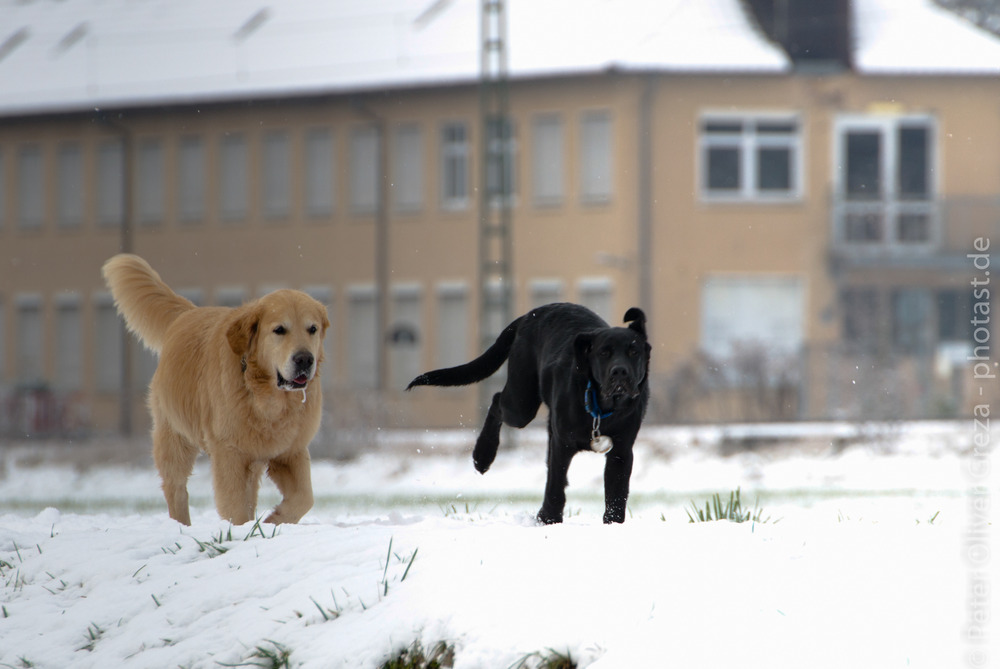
(600, 444)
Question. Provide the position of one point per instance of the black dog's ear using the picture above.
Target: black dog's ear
(581, 346)
(636, 320)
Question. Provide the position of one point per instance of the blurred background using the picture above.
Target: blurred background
(801, 195)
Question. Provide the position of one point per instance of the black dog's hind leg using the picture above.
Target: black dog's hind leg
(617, 472)
(489, 438)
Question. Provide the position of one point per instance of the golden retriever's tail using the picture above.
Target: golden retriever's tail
(145, 302)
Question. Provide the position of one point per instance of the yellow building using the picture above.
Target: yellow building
(796, 210)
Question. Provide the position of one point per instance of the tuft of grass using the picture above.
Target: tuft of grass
(408, 561)
(550, 659)
(732, 510)
(94, 634)
(278, 656)
(930, 521)
(440, 656)
(328, 614)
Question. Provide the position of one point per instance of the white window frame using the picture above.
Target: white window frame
(234, 177)
(111, 182)
(407, 168)
(597, 157)
(455, 165)
(30, 318)
(320, 172)
(363, 167)
(275, 174)
(748, 140)
(889, 205)
(69, 185)
(452, 324)
(69, 342)
(191, 172)
(548, 157)
(501, 140)
(30, 186)
(151, 169)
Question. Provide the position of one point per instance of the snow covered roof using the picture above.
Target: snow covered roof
(73, 54)
(67, 55)
(918, 37)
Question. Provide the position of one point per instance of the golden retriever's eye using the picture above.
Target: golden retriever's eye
(313, 329)
(280, 330)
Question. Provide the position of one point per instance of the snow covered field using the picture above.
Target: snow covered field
(877, 554)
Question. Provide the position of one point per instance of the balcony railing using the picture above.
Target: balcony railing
(924, 230)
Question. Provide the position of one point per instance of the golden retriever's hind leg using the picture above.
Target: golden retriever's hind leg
(291, 474)
(235, 481)
(174, 457)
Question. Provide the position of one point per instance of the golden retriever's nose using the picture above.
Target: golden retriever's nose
(303, 361)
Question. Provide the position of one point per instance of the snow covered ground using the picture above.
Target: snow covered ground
(877, 554)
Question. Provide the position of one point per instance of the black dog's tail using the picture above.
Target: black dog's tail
(476, 370)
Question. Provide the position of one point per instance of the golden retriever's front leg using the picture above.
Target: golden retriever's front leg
(291, 474)
(235, 480)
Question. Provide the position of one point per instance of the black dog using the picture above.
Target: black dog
(591, 376)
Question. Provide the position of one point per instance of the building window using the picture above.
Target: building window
(3, 342)
(596, 157)
(319, 176)
(69, 185)
(453, 325)
(407, 169)
(69, 337)
(3, 189)
(912, 312)
(150, 198)
(364, 170)
(547, 159)
(361, 340)
(755, 158)
(109, 342)
(30, 187)
(405, 336)
(545, 291)
(324, 295)
(885, 190)
(596, 294)
(191, 179)
(276, 177)
(110, 182)
(862, 319)
(30, 340)
(233, 177)
(454, 166)
(501, 147)
(753, 325)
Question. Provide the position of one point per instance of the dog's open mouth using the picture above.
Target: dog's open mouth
(298, 383)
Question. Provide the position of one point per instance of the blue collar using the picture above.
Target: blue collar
(590, 402)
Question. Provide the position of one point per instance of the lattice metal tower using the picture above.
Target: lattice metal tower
(495, 186)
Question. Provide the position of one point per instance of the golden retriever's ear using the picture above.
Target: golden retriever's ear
(242, 331)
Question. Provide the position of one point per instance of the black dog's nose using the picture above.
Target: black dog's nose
(303, 360)
(619, 372)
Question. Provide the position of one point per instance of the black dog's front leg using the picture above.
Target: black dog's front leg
(617, 472)
(555, 485)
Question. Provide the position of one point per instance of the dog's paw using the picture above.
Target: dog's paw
(546, 518)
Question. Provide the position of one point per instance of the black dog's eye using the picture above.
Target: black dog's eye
(312, 329)
(280, 330)
(605, 352)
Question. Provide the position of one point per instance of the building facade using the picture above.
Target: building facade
(803, 240)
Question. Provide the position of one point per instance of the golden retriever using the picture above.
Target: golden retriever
(241, 384)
